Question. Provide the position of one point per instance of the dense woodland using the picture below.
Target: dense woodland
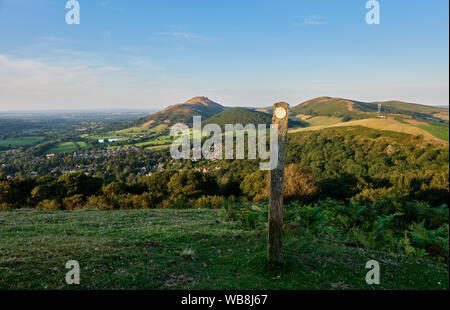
(336, 163)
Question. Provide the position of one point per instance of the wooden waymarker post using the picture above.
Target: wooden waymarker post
(276, 191)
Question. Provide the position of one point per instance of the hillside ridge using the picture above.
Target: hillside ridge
(181, 113)
(349, 109)
(321, 111)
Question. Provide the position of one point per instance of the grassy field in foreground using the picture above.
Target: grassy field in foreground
(184, 249)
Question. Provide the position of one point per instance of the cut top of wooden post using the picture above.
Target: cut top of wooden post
(280, 117)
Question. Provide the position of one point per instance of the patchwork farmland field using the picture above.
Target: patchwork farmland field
(67, 147)
(21, 141)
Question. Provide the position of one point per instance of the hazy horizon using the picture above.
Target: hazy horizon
(153, 110)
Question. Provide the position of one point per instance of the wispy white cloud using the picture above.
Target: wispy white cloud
(183, 35)
(189, 36)
(310, 20)
(186, 35)
(29, 83)
(53, 39)
(130, 49)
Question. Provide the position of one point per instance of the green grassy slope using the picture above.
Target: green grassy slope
(185, 249)
(338, 107)
(440, 131)
(433, 133)
(411, 108)
(67, 147)
(246, 116)
(239, 116)
(346, 108)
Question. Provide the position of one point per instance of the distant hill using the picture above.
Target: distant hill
(181, 113)
(337, 107)
(321, 111)
(414, 109)
(347, 109)
(246, 116)
(239, 116)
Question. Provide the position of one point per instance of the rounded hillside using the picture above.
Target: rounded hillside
(242, 116)
(182, 112)
(201, 100)
(246, 116)
(348, 109)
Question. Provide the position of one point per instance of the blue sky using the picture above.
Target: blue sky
(149, 54)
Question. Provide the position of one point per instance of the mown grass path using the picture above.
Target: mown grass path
(143, 249)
